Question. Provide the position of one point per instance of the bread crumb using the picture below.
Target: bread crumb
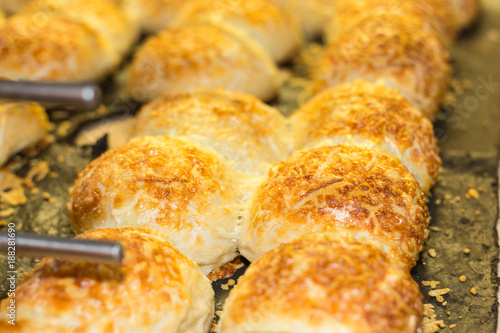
(52, 200)
(53, 174)
(218, 313)
(462, 278)
(453, 325)
(432, 253)
(432, 284)
(447, 232)
(473, 193)
(448, 313)
(440, 323)
(445, 303)
(433, 228)
(473, 291)
(38, 172)
(7, 212)
(231, 282)
(35, 190)
(224, 287)
(477, 212)
(480, 189)
(3, 223)
(60, 159)
(447, 196)
(14, 197)
(457, 198)
(440, 298)
(46, 195)
(439, 292)
(466, 251)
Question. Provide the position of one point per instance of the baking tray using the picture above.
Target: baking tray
(469, 136)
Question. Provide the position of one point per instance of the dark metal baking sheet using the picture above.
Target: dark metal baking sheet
(469, 137)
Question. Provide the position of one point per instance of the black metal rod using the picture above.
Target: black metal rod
(83, 97)
(33, 245)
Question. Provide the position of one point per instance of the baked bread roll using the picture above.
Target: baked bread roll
(201, 56)
(153, 15)
(155, 289)
(430, 15)
(183, 191)
(269, 24)
(347, 190)
(396, 52)
(53, 49)
(33, 119)
(312, 15)
(251, 135)
(13, 6)
(103, 16)
(371, 116)
(324, 283)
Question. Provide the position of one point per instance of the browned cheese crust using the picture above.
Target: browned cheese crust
(431, 15)
(250, 134)
(184, 192)
(359, 111)
(155, 288)
(348, 190)
(324, 283)
(393, 50)
(269, 24)
(35, 47)
(201, 56)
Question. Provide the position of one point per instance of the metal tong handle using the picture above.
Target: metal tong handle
(33, 245)
(84, 97)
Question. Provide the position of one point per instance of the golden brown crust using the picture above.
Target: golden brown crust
(395, 52)
(103, 16)
(348, 190)
(34, 121)
(269, 24)
(432, 15)
(34, 47)
(250, 134)
(359, 111)
(323, 283)
(201, 56)
(155, 287)
(181, 190)
(463, 11)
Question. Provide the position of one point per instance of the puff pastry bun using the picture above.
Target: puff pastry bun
(273, 27)
(251, 135)
(53, 49)
(372, 116)
(324, 283)
(103, 16)
(183, 191)
(34, 121)
(396, 52)
(201, 56)
(342, 189)
(155, 289)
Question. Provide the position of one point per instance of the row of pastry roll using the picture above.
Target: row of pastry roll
(351, 218)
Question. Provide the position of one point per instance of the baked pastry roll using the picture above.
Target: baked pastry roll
(153, 15)
(33, 119)
(201, 56)
(155, 289)
(348, 190)
(397, 52)
(430, 15)
(269, 24)
(103, 16)
(312, 15)
(183, 191)
(370, 116)
(324, 283)
(53, 49)
(251, 135)
(13, 6)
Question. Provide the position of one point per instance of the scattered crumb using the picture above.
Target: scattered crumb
(214, 327)
(7, 212)
(447, 196)
(227, 270)
(444, 304)
(432, 284)
(9, 180)
(459, 317)
(439, 292)
(39, 171)
(63, 128)
(462, 278)
(480, 189)
(448, 313)
(477, 212)
(431, 325)
(434, 228)
(224, 287)
(53, 174)
(52, 200)
(14, 197)
(438, 201)
(466, 251)
(60, 159)
(231, 282)
(453, 325)
(440, 298)
(447, 232)
(432, 253)
(218, 313)
(35, 190)
(46, 195)
(473, 291)
(473, 193)
(3, 223)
